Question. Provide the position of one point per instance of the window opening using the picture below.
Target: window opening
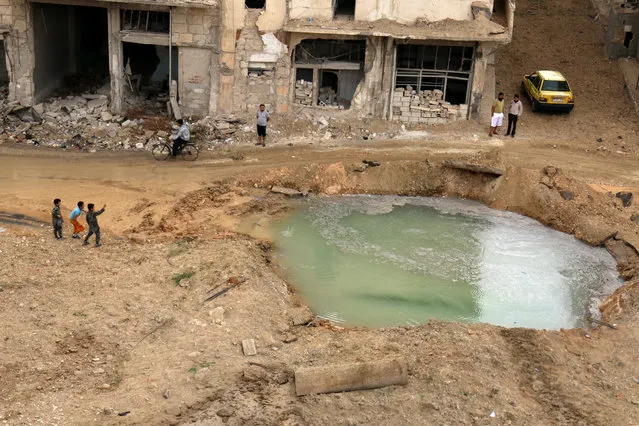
(429, 68)
(344, 9)
(255, 4)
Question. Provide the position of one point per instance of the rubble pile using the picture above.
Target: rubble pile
(327, 97)
(425, 106)
(303, 92)
(81, 122)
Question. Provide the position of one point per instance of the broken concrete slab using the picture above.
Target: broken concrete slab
(248, 347)
(97, 103)
(349, 377)
(473, 168)
(106, 116)
(287, 191)
(28, 114)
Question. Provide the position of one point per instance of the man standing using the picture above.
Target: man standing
(514, 112)
(497, 114)
(263, 117)
(181, 137)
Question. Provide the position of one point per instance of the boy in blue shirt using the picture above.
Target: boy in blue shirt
(73, 218)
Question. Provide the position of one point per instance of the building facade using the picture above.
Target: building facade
(414, 61)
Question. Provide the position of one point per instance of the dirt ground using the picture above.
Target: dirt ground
(122, 335)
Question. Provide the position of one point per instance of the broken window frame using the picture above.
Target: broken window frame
(355, 51)
(139, 20)
(418, 77)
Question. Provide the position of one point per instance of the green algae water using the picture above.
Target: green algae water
(381, 261)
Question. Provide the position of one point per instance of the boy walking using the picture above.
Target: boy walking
(56, 218)
(73, 218)
(263, 117)
(92, 221)
(514, 112)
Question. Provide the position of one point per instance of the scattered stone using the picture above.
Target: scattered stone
(634, 217)
(165, 394)
(98, 371)
(282, 378)
(106, 116)
(287, 191)
(545, 180)
(248, 347)
(108, 411)
(254, 373)
(139, 145)
(625, 197)
(289, 338)
(218, 315)
(370, 163)
(301, 316)
(162, 134)
(225, 412)
(567, 195)
(106, 386)
(600, 140)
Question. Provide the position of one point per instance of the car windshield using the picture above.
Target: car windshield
(556, 86)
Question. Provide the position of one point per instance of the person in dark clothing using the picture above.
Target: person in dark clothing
(514, 112)
(181, 137)
(56, 217)
(92, 221)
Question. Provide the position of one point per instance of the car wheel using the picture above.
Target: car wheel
(535, 106)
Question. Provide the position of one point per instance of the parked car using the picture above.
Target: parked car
(548, 90)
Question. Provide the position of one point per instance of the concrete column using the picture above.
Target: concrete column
(115, 60)
(227, 57)
(481, 82)
(388, 76)
(316, 85)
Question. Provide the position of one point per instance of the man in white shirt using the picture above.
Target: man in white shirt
(514, 112)
(263, 117)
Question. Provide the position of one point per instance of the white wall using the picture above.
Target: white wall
(403, 11)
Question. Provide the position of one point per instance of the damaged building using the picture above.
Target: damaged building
(417, 62)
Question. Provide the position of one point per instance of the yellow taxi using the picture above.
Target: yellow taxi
(548, 90)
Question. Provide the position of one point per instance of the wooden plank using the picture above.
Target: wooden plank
(473, 168)
(349, 377)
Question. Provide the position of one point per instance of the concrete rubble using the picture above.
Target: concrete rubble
(425, 106)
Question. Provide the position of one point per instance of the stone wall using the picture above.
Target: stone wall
(196, 35)
(262, 69)
(19, 51)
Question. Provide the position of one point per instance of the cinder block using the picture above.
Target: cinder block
(248, 347)
(199, 39)
(179, 28)
(7, 20)
(194, 18)
(413, 120)
(403, 119)
(282, 90)
(5, 9)
(196, 29)
(186, 38)
(178, 18)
